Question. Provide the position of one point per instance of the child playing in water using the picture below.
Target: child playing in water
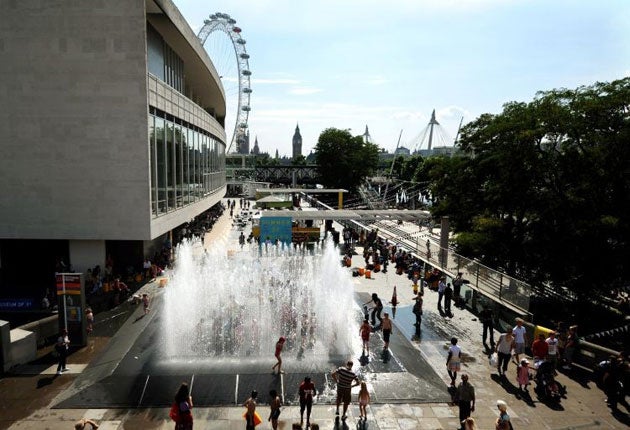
(279, 346)
(145, 303)
(274, 405)
(365, 331)
(364, 400)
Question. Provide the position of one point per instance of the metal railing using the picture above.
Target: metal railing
(492, 283)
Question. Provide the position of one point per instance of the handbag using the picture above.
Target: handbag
(494, 359)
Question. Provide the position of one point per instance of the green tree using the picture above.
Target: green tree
(343, 161)
(546, 184)
(300, 160)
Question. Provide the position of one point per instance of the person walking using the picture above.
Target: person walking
(417, 310)
(364, 401)
(457, 290)
(181, 410)
(307, 392)
(241, 240)
(465, 397)
(448, 297)
(376, 310)
(345, 379)
(387, 330)
(274, 405)
(145, 303)
(504, 350)
(503, 422)
(61, 348)
(552, 350)
(441, 288)
(364, 332)
(453, 361)
(520, 338)
(522, 375)
(250, 413)
(570, 347)
(277, 354)
(487, 320)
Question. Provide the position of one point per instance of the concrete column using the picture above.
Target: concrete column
(5, 344)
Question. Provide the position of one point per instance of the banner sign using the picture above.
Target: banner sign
(16, 304)
(68, 283)
(276, 228)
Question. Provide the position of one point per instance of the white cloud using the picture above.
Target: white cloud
(277, 81)
(452, 112)
(301, 91)
(376, 80)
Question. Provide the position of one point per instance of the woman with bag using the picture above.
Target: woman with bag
(181, 411)
(504, 348)
(61, 348)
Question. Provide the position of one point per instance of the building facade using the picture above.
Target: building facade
(112, 118)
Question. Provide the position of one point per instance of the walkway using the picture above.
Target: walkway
(26, 399)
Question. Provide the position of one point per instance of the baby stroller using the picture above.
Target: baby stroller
(546, 385)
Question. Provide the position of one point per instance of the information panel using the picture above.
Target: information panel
(276, 229)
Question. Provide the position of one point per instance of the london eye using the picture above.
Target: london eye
(225, 45)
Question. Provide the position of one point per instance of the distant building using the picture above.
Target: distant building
(297, 143)
(401, 150)
(243, 144)
(256, 150)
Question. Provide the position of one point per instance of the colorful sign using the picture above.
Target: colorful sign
(16, 304)
(68, 283)
(276, 229)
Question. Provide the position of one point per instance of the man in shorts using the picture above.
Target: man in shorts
(345, 379)
(387, 330)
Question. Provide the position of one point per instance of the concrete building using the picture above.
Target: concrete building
(112, 119)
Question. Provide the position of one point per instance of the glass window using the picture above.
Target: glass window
(170, 165)
(160, 147)
(152, 165)
(155, 52)
(179, 166)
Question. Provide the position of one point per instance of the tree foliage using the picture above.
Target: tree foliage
(343, 160)
(543, 188)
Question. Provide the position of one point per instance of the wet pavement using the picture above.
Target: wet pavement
(408, 385)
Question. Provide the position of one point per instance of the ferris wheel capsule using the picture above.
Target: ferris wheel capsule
(236, 29)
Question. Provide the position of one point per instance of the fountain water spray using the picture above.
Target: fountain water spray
(233, 305)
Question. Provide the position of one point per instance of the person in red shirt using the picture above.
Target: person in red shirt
(540, 348)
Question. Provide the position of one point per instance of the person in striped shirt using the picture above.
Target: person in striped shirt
(345, 379)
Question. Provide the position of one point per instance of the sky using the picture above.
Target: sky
(389, 64)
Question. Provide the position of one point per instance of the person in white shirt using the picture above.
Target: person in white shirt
(552, 354)
(520, 338)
